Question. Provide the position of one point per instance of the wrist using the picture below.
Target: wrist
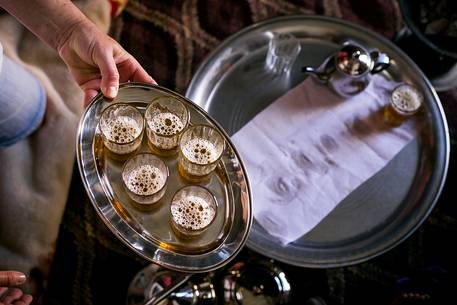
(66, 25)
(51, 20)
(72, 29)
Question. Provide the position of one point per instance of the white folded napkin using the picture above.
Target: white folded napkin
(310, 148)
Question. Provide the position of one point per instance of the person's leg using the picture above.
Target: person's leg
(22, 102)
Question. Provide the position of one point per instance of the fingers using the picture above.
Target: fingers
(112, 70)
(14, 296)
(130, 70)
(90, 89)
(11, 295)
(89, 94)
(140, 75)
(2, 291)
(12, 278)
(110, 75)
(26, 299)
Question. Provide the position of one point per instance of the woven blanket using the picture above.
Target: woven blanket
(36, 172)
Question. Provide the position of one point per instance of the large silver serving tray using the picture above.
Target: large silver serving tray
(232, 85)
(148, 231)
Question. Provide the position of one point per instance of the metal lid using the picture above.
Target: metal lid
(353, 60)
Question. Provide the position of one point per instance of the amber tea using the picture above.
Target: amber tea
(121, 126)
(192, 210)
(166, 119)
(145, 178)
(201, 148)
(405, 101)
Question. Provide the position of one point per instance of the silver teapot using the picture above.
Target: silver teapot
(349, 70)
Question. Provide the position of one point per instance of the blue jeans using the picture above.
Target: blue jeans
(22, 102)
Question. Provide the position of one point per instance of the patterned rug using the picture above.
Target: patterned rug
(170, 39)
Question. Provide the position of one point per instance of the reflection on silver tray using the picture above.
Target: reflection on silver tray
(147, 230)
(233, 86)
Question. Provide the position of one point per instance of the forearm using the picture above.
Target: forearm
(51, 20)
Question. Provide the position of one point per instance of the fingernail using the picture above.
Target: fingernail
(111, 92)
(20, 278)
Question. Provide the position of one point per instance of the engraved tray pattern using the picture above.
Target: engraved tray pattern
(147, 230)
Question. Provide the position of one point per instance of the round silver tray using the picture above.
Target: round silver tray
(232, 85)
(147, 231)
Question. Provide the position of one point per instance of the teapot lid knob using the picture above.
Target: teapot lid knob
(353, 60)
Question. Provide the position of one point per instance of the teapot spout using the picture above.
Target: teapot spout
(381, 61)
(324, 77)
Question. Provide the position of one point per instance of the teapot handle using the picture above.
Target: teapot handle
(324, 77)
(381, 61)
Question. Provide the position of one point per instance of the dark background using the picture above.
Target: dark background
(170, 39)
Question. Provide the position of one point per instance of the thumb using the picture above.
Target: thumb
(89, 94)
(110, 76)
(11, 278)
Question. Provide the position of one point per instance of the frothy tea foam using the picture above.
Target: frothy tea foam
(122, 129)
(406, 99)
(166, 123)
(145, 180)
(192, 213)
(200, 151)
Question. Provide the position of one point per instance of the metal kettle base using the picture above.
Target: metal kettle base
(254, 282)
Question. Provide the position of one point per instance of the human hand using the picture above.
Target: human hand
(98, 62)
(9, 295)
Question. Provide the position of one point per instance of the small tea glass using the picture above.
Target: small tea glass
(283, 49)
(200, 149)
(405, 101)
(122, 127)
(166, 119)
(144, 177)
(192, 210)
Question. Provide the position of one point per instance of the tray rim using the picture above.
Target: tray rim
(190, 268)
(281, 252)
